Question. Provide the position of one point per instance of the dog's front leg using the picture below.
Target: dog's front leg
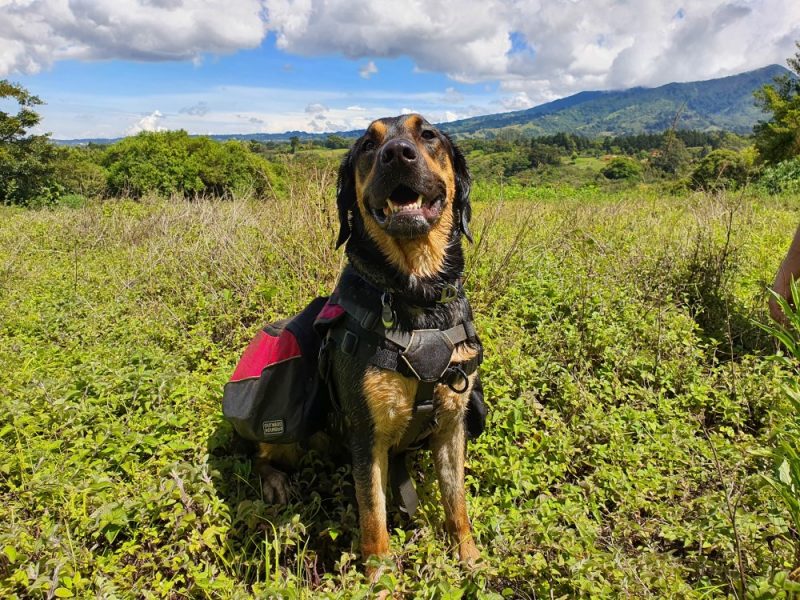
(370, 473)
(448, 444)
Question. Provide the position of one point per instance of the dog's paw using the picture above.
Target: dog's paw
(468, 555)
(275, 485)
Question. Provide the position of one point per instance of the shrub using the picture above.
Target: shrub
(622, 168)
(782, 178)
(171, 162)
(720, 169)
(79, 171)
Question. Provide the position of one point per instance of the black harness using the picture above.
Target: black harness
(422, 354)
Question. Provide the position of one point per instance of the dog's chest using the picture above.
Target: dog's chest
(390, 398)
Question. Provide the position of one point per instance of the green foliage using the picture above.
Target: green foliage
(720, 169)
(617, 424)
(672, 157)
(26, 161)
(621, 167)
(778, 139)
(543, 154)
(79, 171)
(337, 142)
(168, 163)
(782, 178)
(785, 478)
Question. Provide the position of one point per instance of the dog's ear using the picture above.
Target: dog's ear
(461, 205)
(345, 197)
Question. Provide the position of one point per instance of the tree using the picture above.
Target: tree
(26, 161)
(673, 157)
(295, 143)
(778, 139)
(720, 169)
(622, 168)
(543, 154)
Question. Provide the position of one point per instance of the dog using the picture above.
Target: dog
(403, 205)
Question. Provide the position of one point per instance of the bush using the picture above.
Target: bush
(782, 178)
(168, 163)
(79, 171)
(720, 169)
(27, 172)
(622, 168)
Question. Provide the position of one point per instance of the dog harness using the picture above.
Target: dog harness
(422, 354)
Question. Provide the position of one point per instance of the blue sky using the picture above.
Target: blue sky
(108, 68)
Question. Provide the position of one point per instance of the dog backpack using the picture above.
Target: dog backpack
(275, 394)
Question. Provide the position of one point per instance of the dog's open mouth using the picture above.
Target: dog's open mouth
(405, 203)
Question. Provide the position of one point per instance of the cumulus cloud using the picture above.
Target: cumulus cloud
(368, 70)
(316, 108)
(149, 122)
(518, 101)
(548, 48)
(33, 34)
(452, 96)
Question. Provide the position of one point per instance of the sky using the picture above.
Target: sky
(108, 68)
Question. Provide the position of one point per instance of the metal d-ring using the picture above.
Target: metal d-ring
(461, 372)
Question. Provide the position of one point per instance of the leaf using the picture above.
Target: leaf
(62, 592)
(785, 473)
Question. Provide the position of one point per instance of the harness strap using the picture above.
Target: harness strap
(423, 421)
(363, 333)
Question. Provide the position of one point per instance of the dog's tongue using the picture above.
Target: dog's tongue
(403, 194)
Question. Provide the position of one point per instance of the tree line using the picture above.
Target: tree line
(35, 171)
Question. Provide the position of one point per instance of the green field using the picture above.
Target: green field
(631, 395)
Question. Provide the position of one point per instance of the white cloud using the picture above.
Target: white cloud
(518, 101)
(548, 48)
(368, 70)
(316, 108)
(452, 96)
(357, 108)
(147, 123)
(34, 34)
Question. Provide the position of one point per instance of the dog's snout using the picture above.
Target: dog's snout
(399, 152)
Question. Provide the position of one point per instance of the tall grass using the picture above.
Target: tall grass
(620, 422)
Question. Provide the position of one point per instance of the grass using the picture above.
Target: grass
(633, 403)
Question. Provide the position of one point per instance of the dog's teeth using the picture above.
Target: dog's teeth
(418, 203)
(390, 207)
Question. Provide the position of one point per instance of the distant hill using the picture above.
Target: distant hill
(725, 103)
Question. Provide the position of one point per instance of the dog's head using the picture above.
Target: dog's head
(404, 180)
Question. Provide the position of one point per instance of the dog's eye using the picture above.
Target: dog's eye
(428, 134)
(368, 145)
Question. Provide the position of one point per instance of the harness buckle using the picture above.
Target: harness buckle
(387, 314)
(465, 379)
(449, 293)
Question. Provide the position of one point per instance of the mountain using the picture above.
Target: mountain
(725, 103)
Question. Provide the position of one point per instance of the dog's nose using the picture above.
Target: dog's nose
(400, 152)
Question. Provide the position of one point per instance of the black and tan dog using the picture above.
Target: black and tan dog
(403, 201)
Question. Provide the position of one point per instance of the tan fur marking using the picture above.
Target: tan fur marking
(285, 455)
(412, 122)
(448, 448)
(424, 256)
(374, 535)
(289, 455)
(390, 398)
(378, 129)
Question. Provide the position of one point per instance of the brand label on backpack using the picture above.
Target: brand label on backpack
(272, 427)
